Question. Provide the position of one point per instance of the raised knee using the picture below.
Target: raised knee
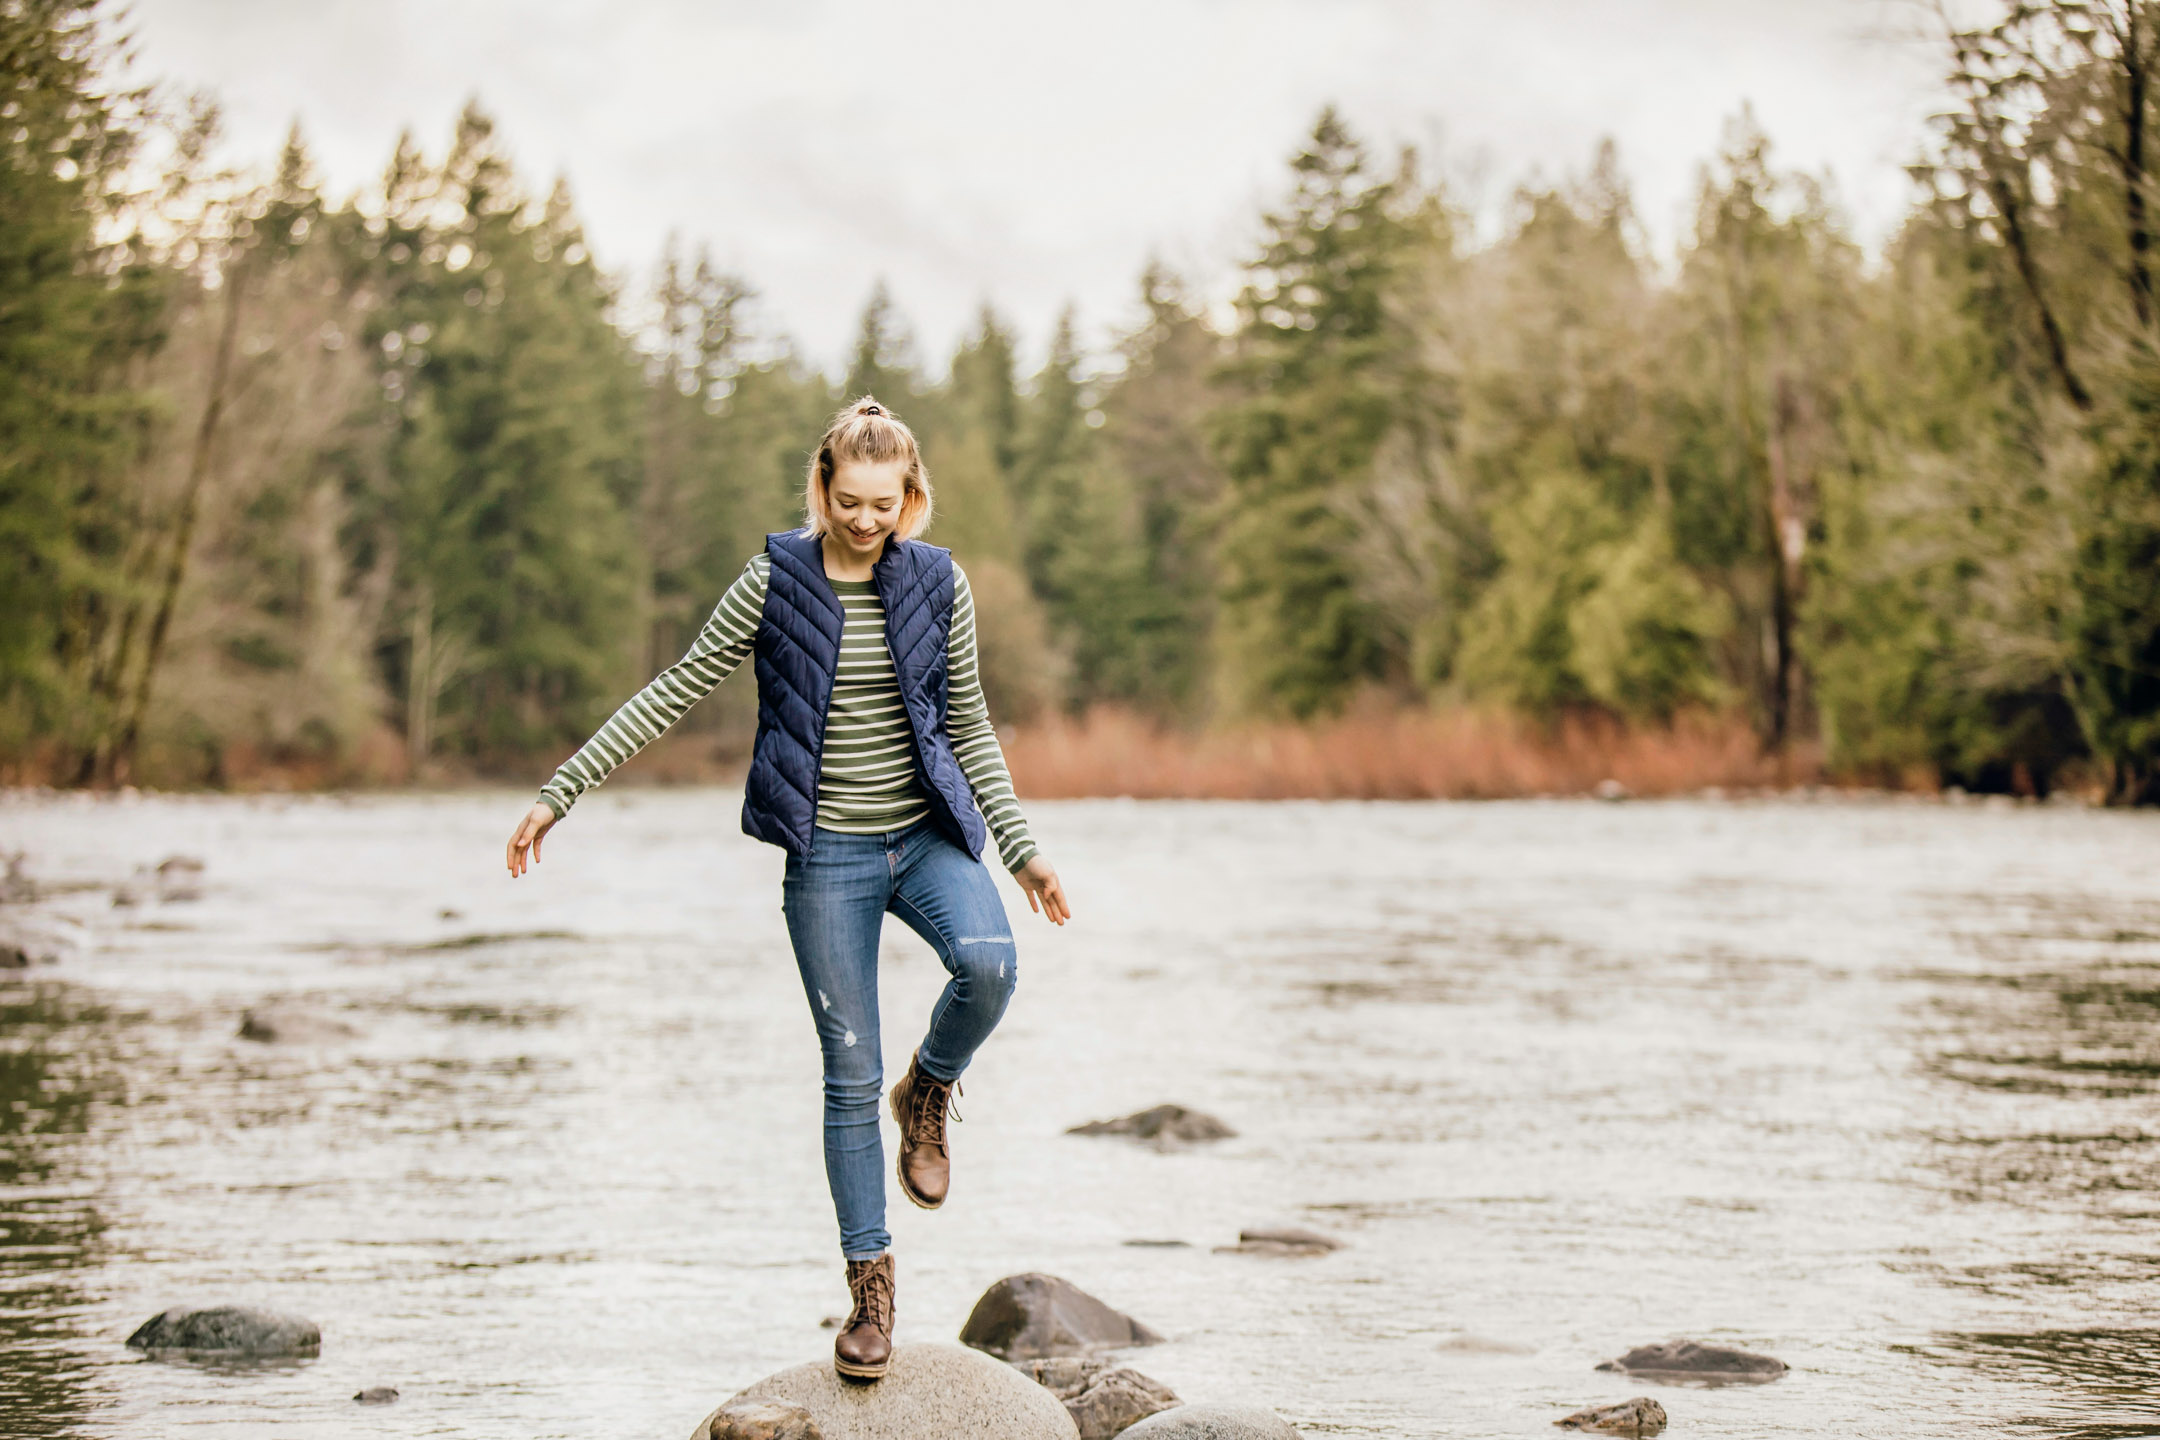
(987, 961)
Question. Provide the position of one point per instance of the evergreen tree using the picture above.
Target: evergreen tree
(1154, 428)
(1317, 374)
(70, 424)
(515, 467)
(1767, 291)
(883, 363)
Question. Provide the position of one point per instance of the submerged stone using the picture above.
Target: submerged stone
(1213, 1422)
(1640, 1416)
(279, 1024)
(227, 1330)
(1484, 1345)
(1103, 1400)
(1028, 1317)
(1686, 1359)
(377, 1395)
(1164, 1125)
(1285, 1242)
(929, 1390)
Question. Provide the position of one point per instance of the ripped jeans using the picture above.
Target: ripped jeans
(835, 900)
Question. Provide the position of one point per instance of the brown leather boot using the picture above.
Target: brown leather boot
(919, 1104)
(864, 1346)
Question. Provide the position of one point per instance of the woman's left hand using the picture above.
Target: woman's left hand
(1045, 892)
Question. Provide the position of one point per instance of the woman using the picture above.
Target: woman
(875, 767)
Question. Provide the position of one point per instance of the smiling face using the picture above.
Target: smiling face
(862, 504)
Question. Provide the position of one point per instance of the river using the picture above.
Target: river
(1870, 1085)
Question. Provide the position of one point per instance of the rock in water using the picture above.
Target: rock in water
(931, 1392)
(1483, 1345)
(228, 1330)
(377, 1395)
(1280, 1242)
(1640, 1416)
(1704, 1364)
(1103, 1400)
(13, 957)
(1166, 1126)
(1212, 1422)
(16, 887)
(289, 1025)
(1027, 1317)
(760, 1420)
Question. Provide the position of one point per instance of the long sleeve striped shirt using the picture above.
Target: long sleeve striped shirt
(867, 783)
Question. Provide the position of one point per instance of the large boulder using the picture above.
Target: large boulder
(1640, 1417)
(1703, 1364)
(1164, 1126)
(1212, 1422)
(1103, 1399)
(1029, 1317)
(930, 1392)
(227, 1330)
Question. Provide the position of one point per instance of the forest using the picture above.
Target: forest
(300, 489)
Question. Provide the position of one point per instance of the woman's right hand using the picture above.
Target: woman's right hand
(537, 822)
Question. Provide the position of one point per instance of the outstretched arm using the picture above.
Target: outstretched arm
(721, 646)
(982, 760)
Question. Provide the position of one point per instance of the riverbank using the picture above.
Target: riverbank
(1374, 752)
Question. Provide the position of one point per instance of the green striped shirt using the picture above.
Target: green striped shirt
(867, 782)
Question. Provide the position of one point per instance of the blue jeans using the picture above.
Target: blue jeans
(836, 899)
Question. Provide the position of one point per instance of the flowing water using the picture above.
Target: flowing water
(1871, 1086)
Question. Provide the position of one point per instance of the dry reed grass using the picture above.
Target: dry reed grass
(1392, 754)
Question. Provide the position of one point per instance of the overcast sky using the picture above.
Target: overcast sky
(1035, 154)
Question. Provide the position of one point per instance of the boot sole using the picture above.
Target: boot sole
(859, 1372)
(900, 1160)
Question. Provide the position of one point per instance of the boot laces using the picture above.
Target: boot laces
(873, 1287)
(933, 1099)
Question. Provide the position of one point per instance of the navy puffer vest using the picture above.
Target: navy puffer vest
(798, 657)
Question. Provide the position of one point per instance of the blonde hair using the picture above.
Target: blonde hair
(867, 431)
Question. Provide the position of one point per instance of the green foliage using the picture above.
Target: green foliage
(1589, 609)
(73, 314)
(2112, 618)
(1318, 375)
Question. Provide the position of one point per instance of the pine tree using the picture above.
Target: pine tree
(516, 467)
(1317, 374)
(883, 363)
(1156, 437)
(70, 424)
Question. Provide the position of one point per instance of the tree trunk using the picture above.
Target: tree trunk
(2013, 222)
(1788, 536)
(420, 684)
(198, 474)
(2135, 83)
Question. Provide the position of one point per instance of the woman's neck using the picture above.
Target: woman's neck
(842, 564)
